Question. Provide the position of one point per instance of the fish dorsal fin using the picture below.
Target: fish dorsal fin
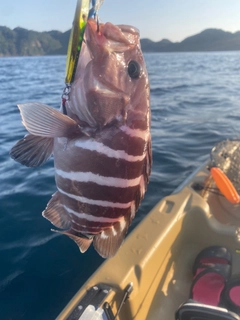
(83, 243)
(109, 241)
(56, 213)
(42, 120)
(32, 151)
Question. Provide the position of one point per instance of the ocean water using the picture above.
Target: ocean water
(195, 102)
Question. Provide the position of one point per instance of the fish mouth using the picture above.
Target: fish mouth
(100, 36)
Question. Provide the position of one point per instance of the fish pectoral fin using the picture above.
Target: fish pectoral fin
(109, 241)
(83, 243)
(42, 120)
(32, 151)
(56, 213)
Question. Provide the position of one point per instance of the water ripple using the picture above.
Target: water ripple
(195, 102)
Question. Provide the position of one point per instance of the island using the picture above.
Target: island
(23, 42)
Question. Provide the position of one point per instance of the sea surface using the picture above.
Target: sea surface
(195, 102)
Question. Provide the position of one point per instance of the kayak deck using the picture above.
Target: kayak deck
(157, 257)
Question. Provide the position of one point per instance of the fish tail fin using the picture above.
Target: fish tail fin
(82, 242)
(32, 151)
(109, 241)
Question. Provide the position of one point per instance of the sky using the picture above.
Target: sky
(156, 19)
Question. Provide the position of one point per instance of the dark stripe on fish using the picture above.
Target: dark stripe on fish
(94, 210)
(137, 120)
(90, 227)
(94, 228)
(94, 191)
(119, 140)
(98, 163)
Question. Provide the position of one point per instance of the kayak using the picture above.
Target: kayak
(151, 275)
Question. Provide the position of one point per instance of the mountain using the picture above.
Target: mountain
(63, 38)
(207, 40)
(23, 42)
(148, 45)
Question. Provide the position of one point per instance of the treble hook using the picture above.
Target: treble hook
(95, 7)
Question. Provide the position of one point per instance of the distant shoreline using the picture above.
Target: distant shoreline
(160, 52)
(21, 42)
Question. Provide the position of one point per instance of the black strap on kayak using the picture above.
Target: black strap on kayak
(107, 308)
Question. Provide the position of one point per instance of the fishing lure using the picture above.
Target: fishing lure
(82, 14)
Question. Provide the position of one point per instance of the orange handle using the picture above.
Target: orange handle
(225, 185)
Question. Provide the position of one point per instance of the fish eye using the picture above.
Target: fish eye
(134, 69)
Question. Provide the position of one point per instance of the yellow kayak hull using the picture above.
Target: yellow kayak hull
(157, 257)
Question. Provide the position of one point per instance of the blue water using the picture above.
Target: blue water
(195, 102)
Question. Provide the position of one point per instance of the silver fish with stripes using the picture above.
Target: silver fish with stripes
(101, 141)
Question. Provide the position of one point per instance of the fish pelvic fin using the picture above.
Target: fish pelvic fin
(58, 216)
(109, 240)
(42, 120)
(32, 151)
(82, 242)
(56, 213)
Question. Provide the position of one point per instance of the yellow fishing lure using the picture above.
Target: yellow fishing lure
(76, 38)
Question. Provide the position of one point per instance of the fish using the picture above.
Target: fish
(100, 140)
